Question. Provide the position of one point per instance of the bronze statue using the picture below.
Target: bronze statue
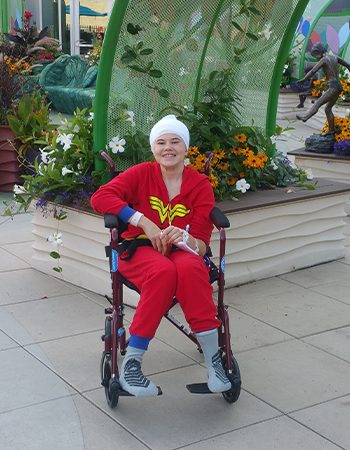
(329, 64)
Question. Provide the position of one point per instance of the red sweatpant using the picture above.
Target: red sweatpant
(160, 278)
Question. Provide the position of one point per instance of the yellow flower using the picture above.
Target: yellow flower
(240, 137)
(220, 154)
(193, 150)
(223, 166)
(213, 180)
(231, 181)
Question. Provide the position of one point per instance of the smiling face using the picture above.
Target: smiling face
(169, 151)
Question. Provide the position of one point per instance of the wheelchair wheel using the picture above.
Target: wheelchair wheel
(232, 395)
(112, 387)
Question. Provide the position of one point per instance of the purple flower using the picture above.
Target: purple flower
(342, 148)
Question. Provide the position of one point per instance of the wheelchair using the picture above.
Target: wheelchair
(114, 336)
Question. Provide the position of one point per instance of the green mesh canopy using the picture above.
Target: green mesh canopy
(191, 38)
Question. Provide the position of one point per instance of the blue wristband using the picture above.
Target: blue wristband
(125, 213)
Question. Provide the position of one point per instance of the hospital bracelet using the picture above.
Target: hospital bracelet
(135, 218)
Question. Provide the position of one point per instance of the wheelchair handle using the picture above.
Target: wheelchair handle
(108, 159)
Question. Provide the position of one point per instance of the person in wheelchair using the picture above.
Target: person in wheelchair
(164, 250)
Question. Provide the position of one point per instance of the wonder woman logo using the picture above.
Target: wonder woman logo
(167, 211)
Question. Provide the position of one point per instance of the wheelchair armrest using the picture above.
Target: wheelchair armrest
(111, 221)
(218, 218)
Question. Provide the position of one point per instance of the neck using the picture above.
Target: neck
(172, 175)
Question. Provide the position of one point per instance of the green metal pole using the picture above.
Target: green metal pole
(5, 22)
(280, 61)
(104, 77)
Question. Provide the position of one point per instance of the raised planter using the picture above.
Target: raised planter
(287, 108)
(329, 166)
(272, 232)
(10, 170)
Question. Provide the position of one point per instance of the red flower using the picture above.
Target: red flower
(28, 15)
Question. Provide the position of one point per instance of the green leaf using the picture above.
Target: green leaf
(137, 68)
(146, 51)
(57, 269)
(55, 255)
(236, 25)
(213, 75)
(133, 29)
(164, 93)
(252, 36)
(254, 10)
(155, 73)
(128, 57)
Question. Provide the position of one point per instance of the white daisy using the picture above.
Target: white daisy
(55, 239)
(116, 145)
(242, 185)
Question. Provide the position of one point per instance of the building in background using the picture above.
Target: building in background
(71, 21)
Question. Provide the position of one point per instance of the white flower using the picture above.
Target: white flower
(150, 118)
(242, 185)
(267, 33)
(91, 116)
(274, 165)
(131, 118)
(116, 145)
(55, 239)
(309, 174)
(19, 189)
(186, 162)
(65, 171)
(65, 140)
(182, 71)
(45, 157)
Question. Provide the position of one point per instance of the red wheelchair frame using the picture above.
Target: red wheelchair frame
(115, 335)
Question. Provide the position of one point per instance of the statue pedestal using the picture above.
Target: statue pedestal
(319, 143)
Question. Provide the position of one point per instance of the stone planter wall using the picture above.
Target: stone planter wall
(271, 233)
(328, 166)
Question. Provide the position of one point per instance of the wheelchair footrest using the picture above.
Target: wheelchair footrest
(198, 388)
(123, 393)
(202, 388)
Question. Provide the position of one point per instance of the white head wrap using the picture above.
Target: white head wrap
(170, 124)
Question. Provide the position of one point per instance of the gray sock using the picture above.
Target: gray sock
(217, 379)
(132, 379)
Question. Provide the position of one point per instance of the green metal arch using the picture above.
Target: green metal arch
(279, 65)
(199, 75)
(104, 77)
(107, 59)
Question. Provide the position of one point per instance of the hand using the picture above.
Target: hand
(171, 235)
(153, 232)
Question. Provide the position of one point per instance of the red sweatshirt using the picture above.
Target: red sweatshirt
(143, 188)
